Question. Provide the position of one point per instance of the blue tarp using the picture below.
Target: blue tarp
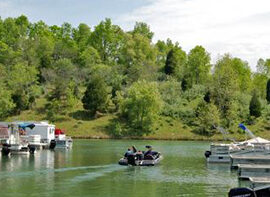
(242, 126)
(29, 125)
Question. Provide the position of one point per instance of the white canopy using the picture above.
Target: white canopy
(256, 140)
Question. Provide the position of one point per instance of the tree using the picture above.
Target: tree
(143, 29)
(263, 66)
(137, 57)
(259, 82)
(61, 79)
(243, 74)
(82, 36)
(175, 62)
(207, 97)
(268, 91)
(96, 97)
(89, 57)
(255, 106)
(107, 40)
(207, 118)
(22, 81)
(225, 84)
(198, 65)
(163, 48)
(6, 103)
(60, 101)
(141, 106)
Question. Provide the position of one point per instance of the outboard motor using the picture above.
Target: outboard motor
(32, 149)
(241, 191)
(131, 160)
(52, 144)
(5, 149)
(207, 153)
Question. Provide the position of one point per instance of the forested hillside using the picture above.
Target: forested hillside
(90, 73)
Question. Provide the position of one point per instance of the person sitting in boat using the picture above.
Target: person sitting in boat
(133, 149)
(129, 152)
(149, 151)
(139, 155)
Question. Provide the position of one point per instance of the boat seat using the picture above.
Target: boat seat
(148, 157)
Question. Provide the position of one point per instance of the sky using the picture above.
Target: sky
(238, 27)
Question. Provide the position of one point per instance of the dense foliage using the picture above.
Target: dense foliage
(108, 70)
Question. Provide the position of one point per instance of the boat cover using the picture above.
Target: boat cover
(255, 140)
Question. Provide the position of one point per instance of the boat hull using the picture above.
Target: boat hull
(124, 162)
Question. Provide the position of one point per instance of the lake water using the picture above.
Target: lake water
(91, 169)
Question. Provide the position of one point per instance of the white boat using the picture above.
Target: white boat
(42, 129)
(63, 141)
(222, 153)
(15, 145)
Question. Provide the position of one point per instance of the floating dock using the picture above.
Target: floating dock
(245, 171)
(263, 159)
(259, 181)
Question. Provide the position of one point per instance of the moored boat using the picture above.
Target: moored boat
(61, 140)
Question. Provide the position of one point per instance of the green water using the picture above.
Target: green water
(91, 169)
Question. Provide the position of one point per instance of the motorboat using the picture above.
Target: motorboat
(149, 158)
(61, 140)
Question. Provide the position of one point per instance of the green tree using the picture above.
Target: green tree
(255, 106)
(268, 91)
(22, 81)
(138, 58)
(225, 84)
(141, 106)
(96, 97)
(198, 65)
(259, 82)
(143, 29)
(163, 49)
(107, 40)
(61, 80)
(60, 101)
(89, 57)
(263, 66)
(82, 36)
(243, 74)
(175, 62)
(6, 102)
(207, 118)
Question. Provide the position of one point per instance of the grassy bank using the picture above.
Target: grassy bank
(78, 125)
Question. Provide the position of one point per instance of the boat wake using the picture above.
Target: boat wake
(94, 175)
(80, 168)
(49, 170)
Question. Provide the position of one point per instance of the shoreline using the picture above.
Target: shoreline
(145, 138)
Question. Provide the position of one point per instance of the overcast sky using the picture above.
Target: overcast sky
(238, 27)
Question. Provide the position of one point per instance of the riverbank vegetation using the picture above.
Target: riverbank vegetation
(107, 82)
